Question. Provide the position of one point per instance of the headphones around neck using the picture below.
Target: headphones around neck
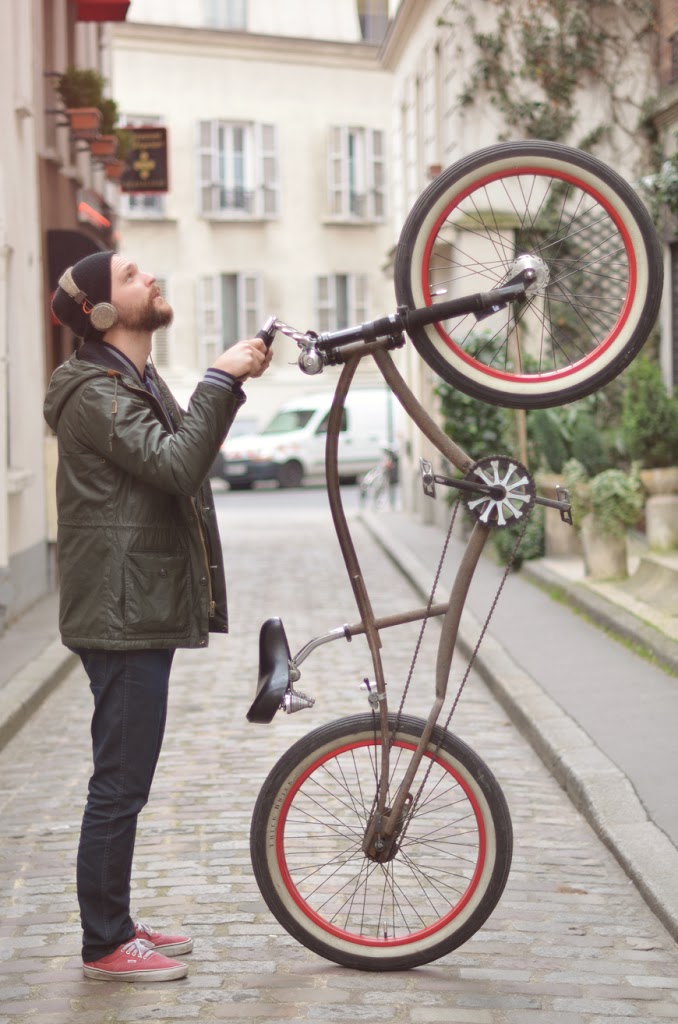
(102, 316)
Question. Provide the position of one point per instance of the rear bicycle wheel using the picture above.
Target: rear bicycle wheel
(442, 884)
(593, 246)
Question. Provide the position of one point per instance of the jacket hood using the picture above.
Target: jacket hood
(93, 359)
(66, 379)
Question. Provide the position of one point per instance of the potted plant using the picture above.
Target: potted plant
(604, 506)
(81, 90)
(125, 145)
(106, 143)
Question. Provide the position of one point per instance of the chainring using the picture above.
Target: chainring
(511, 491)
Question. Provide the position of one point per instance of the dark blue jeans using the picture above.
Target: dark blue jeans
(130, 707)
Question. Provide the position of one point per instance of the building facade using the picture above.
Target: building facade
(447, 102)
(279, 157)
(53, 207)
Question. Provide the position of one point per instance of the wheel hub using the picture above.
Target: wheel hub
(528, 261)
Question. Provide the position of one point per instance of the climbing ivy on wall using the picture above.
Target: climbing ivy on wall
(536, 55)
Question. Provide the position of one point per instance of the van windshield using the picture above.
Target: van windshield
(288, 420)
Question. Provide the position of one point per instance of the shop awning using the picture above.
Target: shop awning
(101, 10)
(66, 247)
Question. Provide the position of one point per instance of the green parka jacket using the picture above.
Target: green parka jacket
(139, 556)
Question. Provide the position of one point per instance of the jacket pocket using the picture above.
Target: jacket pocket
(157, 594)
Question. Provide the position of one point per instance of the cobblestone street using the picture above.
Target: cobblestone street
(571, 942)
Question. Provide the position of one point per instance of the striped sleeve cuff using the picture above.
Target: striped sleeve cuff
(224, 380)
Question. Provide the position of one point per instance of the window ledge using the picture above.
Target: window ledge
(154, 218)
(353, 222)
(19, 480)
(235, 218)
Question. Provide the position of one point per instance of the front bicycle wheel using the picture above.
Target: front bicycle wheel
(590, 241)
(448, 872)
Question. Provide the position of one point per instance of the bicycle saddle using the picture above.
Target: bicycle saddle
(274, 672)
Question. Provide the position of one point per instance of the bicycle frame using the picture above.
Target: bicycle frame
(349, 347)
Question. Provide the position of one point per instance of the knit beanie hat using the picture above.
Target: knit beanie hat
(82, 288)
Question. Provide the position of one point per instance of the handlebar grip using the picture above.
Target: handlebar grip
(268, 331)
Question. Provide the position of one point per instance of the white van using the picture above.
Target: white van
(292, 446)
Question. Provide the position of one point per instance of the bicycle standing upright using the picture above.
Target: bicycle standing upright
(527, 275)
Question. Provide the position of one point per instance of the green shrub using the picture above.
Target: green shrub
(476, 427)
(649, 416)
(81, 87)
(614, 498)
(532, 544)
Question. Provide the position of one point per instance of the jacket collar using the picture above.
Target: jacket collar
(102, 354)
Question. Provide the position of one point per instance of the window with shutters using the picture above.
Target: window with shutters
(340, 301)
(237, 170)
(229, 310)
(356, 174)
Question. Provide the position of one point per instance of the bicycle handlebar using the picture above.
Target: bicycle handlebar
(405, 319)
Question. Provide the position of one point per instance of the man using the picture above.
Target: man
(140, 565)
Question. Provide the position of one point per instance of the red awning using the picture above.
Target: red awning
(101, 10)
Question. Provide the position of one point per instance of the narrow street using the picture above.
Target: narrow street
(571, 942)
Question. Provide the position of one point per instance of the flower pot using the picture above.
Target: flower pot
(660, 480)
(104, 146)
(113, 169)
(85, 122)
(605, 555)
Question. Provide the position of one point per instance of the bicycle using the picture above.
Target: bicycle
(382, 841)
(378, 485)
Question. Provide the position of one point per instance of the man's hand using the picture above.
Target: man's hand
(245, 359)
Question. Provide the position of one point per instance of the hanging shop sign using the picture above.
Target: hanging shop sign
(147, 165)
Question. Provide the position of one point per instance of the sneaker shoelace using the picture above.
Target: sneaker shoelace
(139, 948)
(145, 928)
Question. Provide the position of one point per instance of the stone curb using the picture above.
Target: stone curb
(596, 786)
(24, 693)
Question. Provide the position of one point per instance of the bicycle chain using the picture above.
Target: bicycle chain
(507, 569)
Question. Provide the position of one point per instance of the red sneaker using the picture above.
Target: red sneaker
(163, 943)
(135, 961)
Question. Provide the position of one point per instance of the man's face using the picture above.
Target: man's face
(137, 298)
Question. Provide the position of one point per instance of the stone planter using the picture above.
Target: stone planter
(605, 556)
(661, 480)
(560, 539)
(661, 507)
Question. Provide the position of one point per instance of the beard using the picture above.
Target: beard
(156, 314)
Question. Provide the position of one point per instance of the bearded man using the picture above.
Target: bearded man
(140, 568)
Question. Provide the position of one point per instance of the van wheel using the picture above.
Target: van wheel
(291, 474)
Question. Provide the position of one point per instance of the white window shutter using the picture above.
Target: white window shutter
(268, 184)
(358, 298)
(210, 341)
(161, 338)
(325, 302)
(376, 175)
(249, 305)
(207, 165)
(337, 171)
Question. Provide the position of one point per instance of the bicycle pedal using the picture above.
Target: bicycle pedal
(428, 478)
